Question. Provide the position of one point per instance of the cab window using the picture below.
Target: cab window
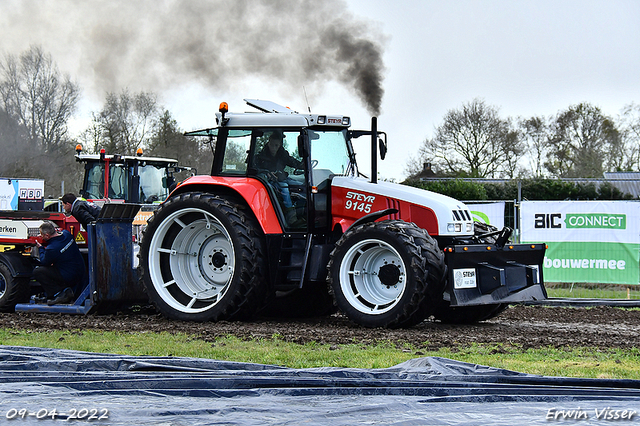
(153, 181)
(236, 151)
(329, 155)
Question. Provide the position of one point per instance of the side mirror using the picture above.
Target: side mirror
(382, 147)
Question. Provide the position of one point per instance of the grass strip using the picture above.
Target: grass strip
(568, 362)
(593, 292)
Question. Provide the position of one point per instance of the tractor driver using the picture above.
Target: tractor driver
(271, 161)
(61, 264)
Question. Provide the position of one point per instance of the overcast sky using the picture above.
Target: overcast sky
(524, 57)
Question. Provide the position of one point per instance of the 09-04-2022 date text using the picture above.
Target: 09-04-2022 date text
(87, 414)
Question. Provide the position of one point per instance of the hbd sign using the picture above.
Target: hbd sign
(21, 194)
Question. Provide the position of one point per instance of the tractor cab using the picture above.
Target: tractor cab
(130, 179)
(115, 178)
(295, 156)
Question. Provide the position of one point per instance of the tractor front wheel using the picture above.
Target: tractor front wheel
(203, 259)
(384, 274)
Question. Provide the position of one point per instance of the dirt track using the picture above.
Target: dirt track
(528, 327)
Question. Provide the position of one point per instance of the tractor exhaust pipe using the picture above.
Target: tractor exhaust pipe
(374, 149)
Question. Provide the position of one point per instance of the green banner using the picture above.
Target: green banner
(595, 262)
(596, 221)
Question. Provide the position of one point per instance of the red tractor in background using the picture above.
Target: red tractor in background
(133, 186)
(138, 179)
(223, 246)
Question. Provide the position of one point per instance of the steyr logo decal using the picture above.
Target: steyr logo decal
(359, 202)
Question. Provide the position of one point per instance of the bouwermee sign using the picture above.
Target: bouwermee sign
(589, 241)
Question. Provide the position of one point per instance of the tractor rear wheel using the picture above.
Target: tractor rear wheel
(386, 274)
(12, 290)
(203, 259)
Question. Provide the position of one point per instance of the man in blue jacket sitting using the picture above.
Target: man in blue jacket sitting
(61, 264)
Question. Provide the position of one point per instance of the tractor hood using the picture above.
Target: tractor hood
(453, 216)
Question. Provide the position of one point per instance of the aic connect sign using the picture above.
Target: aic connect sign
(589, 241)
(577, 220)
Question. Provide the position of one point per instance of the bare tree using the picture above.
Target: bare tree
(630, 132)
(169, 141)
(33, 92)
(414, 166)
(535, 136)
(584, 142)
(474, 141)
(513, 150)
(15, 147)
(91, 137)
(23, 157)
(126, 121)
(40, 100)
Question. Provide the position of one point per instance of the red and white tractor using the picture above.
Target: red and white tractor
(305, 239)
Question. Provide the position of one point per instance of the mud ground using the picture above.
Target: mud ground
(523, 326)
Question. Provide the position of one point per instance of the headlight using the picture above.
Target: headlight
(454, 227)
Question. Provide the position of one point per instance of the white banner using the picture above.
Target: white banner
(489, 213)
(588, 241)
(599, 221)
(21, 194)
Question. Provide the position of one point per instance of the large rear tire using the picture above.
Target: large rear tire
(12, 290)
(202, 259)
(386, 274)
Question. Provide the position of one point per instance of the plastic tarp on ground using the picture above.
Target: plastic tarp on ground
(191, 391)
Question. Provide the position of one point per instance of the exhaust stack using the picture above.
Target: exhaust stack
(374, 149)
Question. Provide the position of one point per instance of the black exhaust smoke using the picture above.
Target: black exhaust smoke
(222, 45)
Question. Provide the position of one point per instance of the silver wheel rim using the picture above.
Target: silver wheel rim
(201, 261)
(359, 277)
(3, 285)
